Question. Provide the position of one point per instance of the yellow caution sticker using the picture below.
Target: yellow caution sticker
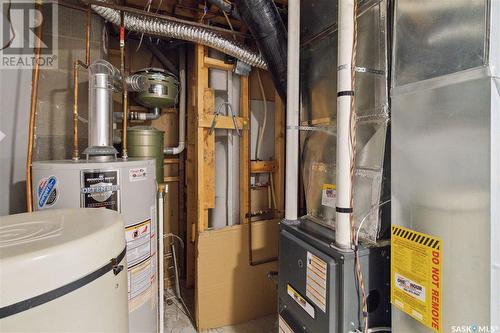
(416, 275)
(301, 301)
(329, 195)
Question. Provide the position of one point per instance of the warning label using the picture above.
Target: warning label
(317, 275)
(329, 195)
(284, 327)
(416, 261)
(138, 238)
(300, 300)
(137, 174)
(140, 279)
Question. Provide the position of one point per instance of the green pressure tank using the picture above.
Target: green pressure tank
(147, 142)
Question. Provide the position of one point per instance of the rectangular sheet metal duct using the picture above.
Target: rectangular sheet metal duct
(319, 112)
(445, 149)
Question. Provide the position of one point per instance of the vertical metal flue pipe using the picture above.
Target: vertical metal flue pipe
(292, 109)
(100, 111)
(345, 93)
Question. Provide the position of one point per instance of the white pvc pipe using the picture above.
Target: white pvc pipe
(182, 106)
(292, 109)
(344, 148)
(160, 250)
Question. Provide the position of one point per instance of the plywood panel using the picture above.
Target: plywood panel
(230, 291)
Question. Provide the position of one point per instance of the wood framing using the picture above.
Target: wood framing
(279, 155)
(213, 254)
(245, 152)
(263, 166)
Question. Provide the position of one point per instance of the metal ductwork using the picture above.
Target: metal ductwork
(165, 28)
(265, 24)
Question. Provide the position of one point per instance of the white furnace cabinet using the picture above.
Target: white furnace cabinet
(53, 277)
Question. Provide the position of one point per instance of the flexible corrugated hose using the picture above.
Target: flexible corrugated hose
(165, 28)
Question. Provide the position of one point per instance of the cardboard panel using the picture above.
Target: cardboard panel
(229, 290)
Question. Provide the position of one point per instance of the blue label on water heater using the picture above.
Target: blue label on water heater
(47, 192)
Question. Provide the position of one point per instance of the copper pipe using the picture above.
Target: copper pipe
(87, 37)
(125, 92)
(76, 66)
(34, 99)
(76, 151)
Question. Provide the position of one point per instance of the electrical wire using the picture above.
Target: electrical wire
(273, 194)
(148, 6)
(175, 236)
(352, 132)
(205, 11)
(262, 128)
(230, 25)
(159, 6)
(11, 27)
(372, 209)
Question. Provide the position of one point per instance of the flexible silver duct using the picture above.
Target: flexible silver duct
(165, 28)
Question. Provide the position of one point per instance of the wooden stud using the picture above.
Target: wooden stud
(171, 161)
(171, 179)
(207, 165)
(202, 145)
(245, 152)
(218, 64)
(262, 167)
(222, 122)
(279, 153)
(191, 180)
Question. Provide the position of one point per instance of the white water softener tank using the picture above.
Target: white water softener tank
(53, 277)
(128, 187)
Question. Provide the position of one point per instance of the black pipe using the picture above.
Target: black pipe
(226, 7)
(160, 56)
(264, 22)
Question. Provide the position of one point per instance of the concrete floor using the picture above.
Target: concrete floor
(177, 321)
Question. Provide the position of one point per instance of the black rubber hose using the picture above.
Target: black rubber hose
(226, 7)
(264, 22)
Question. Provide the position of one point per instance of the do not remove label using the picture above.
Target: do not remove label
(416, 275)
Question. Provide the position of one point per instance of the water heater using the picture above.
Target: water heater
(128, 187)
